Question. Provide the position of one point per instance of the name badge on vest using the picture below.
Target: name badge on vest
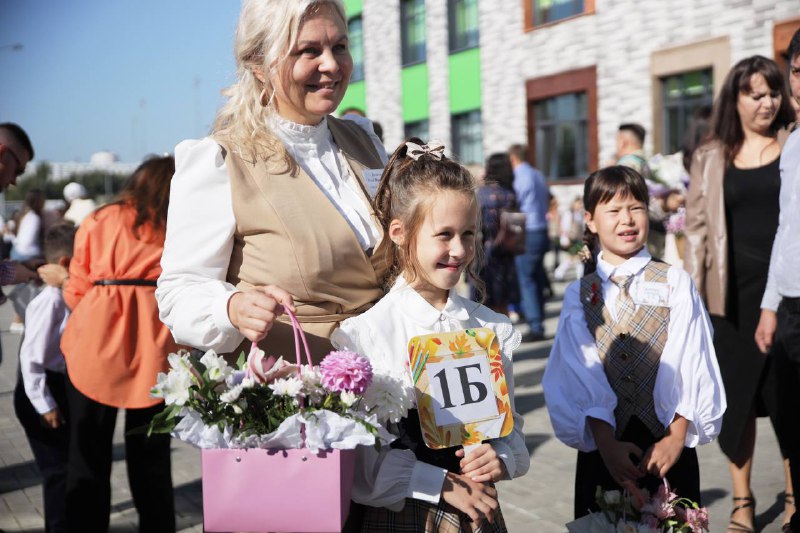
(372, 177)
(652, 293)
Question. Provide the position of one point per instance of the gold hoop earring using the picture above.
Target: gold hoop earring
(264, 97)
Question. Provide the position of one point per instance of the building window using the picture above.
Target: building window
(356, 31)
(412, 29)
(540, 12)
(463, 23)
(561, 133)
(562, 123)
(682, 94)
(417, 129)
(467, 138)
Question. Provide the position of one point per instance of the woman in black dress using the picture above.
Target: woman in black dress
(499, 274)
(732, 216)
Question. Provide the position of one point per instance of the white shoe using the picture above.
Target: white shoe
(17, 327)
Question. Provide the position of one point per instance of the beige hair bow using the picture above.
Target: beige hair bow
(435, 149)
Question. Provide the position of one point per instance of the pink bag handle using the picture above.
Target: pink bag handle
(298, 334)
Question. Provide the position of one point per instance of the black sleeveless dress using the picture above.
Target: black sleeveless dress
(751, 212)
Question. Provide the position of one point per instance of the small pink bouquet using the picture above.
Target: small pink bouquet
(625, 512)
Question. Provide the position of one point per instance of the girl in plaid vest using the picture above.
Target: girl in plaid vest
(632, 381)
(429, 213)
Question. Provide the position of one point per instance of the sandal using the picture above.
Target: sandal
(788, 498)
(735, 526)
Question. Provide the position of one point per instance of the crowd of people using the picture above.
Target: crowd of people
(310, 214)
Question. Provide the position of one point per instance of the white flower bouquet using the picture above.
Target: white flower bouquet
(265, 424)
(267, 403)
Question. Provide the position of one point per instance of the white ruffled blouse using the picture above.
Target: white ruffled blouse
(688, 382)
(386, 478)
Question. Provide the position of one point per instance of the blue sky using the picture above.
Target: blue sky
(129, 76)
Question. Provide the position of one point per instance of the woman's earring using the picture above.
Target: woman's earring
(264, 97)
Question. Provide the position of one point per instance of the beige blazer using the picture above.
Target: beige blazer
(706, 254)
(288, 233)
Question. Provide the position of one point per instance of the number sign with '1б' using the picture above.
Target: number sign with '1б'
(462, 395)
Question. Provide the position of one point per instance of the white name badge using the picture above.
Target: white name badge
(462, 390)
(372, 177)
(652, 293)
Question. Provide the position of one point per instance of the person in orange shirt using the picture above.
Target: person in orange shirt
(115, 345)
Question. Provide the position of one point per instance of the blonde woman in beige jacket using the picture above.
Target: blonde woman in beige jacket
(274, 208)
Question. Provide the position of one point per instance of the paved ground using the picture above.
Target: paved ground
(539, 502)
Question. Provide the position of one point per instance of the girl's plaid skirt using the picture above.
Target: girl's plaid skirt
(418, 516)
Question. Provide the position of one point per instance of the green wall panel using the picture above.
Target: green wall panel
(353, 7)
(415, 93)
(356, 96)
(465, 81)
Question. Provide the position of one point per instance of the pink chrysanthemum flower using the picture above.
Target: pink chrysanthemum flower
(346, 371)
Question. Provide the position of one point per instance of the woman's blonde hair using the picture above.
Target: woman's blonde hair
(406, 192)
(266, 33)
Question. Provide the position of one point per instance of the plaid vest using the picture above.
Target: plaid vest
(630, 358)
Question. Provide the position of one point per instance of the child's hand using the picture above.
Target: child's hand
(617, 458)
(665, 453)
(53, 274)
(52, 419)
(482, 464)
(662, 456)
(476, 500)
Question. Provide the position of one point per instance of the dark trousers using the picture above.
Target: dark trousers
(89, 467)
(786, 357)
(49, 447)
(533, 278)
(591, 471)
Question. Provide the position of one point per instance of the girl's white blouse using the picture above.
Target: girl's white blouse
(192, 291)
(688, 381)
(386, 478)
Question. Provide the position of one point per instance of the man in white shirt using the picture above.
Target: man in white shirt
(778, 331)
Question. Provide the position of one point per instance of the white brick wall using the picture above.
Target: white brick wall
(618, 39)
(438, 71)
(382, 67)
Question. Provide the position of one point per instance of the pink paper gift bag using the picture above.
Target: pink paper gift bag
(256, 490)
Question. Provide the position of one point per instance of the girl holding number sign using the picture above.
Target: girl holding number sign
(427, 206)
(632, 381)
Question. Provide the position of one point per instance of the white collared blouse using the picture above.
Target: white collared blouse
(40, 350)
(688, 381)
(386, 478)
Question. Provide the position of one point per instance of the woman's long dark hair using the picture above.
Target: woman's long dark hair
(726, 125)
(147, 191)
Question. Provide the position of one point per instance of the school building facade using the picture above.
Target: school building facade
(558, 75)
